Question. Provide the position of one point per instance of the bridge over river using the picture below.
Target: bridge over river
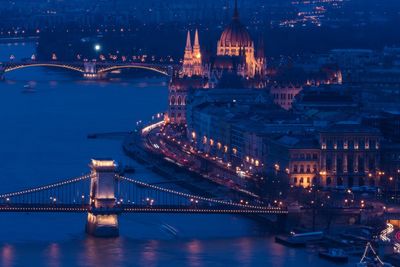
(89, 69)
(104, 195)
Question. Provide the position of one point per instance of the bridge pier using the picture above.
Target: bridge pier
(102, 220)
(90, 71)
(94, 76)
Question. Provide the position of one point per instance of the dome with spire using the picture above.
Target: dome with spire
(235, 35)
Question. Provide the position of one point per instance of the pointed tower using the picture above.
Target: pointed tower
(188, 43)
(197, 59)
(261, 68)
(196, 46)
(188, 58)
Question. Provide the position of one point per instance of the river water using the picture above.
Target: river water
(43, 138)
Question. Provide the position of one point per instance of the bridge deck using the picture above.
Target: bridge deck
(79, 208)
(92, 67)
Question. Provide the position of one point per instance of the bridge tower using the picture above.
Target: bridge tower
(90, 70)
(102, 218)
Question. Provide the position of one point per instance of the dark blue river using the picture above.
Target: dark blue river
(43, 138)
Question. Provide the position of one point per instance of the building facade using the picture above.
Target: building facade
(235, 41)
(304, 163)
(284, 95)
(350, 155)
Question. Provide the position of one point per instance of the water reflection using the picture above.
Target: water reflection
(195, 249)
(149, 253)
(103, 252)
(52, 254)
(7, 256)
(244, 254)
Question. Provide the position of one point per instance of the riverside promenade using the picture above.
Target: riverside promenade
(136, 147)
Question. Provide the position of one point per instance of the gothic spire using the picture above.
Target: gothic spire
(196, 39)
(188, 42)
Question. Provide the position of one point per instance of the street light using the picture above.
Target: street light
(97, 47)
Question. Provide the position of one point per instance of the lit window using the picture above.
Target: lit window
(219, 145)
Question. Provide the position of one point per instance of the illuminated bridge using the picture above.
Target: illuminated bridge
(103, 195)
(90, 69)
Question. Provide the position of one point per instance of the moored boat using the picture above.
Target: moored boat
(335, 255)
(299, 240)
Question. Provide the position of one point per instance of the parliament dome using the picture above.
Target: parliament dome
(236, 34)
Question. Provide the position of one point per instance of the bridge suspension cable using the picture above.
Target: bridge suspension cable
(194, 197)
(45, 187)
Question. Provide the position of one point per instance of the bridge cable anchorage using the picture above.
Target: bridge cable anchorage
(198, 197)
(46, 187)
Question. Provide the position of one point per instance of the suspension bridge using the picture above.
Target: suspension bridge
(89, 69)
(104, 194)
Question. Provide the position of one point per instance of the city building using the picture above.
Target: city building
(237, 64)
(243, 128)
(390, 164)
(293, 126)
(284, 95)
(388, 121)
(325, 98)
(350, 155)
(304, 162)
(178, 97)
(343, 154)
(236, 42)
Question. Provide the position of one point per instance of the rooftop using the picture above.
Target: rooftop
(350, 127)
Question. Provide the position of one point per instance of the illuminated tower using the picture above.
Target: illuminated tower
(188, 58)
(236, 41)
(102, 220)
(197, 60)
